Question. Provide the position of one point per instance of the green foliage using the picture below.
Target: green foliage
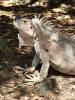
(48, 1)
(3, 46)
(68, 9)
(24, 1)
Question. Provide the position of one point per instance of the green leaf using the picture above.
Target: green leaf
(4, 47)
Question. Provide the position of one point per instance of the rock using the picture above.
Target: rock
(1, 97)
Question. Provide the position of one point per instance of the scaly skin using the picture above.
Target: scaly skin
(51, 48)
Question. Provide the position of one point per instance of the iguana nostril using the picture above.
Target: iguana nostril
(31, 27)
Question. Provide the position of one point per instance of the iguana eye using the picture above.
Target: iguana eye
(24, 21)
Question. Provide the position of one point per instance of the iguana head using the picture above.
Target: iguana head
(35, 27)
(25, 25)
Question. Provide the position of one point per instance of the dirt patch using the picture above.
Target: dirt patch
(13, 63)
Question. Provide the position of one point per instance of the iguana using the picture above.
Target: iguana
(51, 48)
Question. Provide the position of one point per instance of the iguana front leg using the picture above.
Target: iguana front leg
(44, 68)
(35, 63)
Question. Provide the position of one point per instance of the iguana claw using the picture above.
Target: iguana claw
(33, 78)
(29, 70)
